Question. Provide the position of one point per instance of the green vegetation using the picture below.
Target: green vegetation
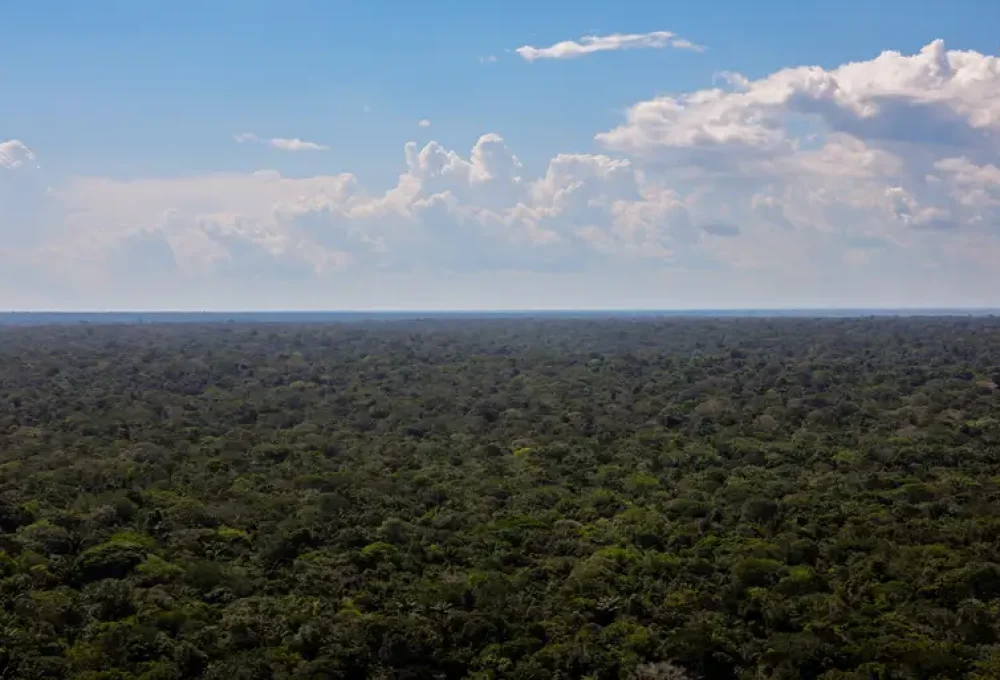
(741, 498)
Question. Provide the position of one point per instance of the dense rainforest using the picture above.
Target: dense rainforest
(525, 499)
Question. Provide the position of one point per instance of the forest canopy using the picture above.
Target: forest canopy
(530, 499)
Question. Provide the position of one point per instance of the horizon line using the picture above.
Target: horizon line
(504, 310)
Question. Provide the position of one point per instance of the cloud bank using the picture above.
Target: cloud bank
(873, 183)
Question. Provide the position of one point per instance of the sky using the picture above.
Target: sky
(348, 155)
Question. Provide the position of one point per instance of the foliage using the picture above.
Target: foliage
(727, 498)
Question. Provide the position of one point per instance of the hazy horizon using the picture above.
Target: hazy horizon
(592, 312)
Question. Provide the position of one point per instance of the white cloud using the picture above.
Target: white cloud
(881, 151)
(446, 210)
(488, 59)
(424, 123)
(874, 182)
(296, 144)
(15, 155)
(280, 143)
(935, 97)
(570, 49)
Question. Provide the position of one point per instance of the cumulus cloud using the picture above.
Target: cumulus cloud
(424, 123)
(881, 150)
(447, 210)
(935, 97)
(888, 169)
(280, 143)
(570, 49)
(202, 219)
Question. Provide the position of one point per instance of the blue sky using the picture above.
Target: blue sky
(145, 166)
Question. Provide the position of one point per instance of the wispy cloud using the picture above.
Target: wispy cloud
(280, 143)
(424, 123)
(488, 59)
(570, 49)
(14, 154)
(296, 144)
